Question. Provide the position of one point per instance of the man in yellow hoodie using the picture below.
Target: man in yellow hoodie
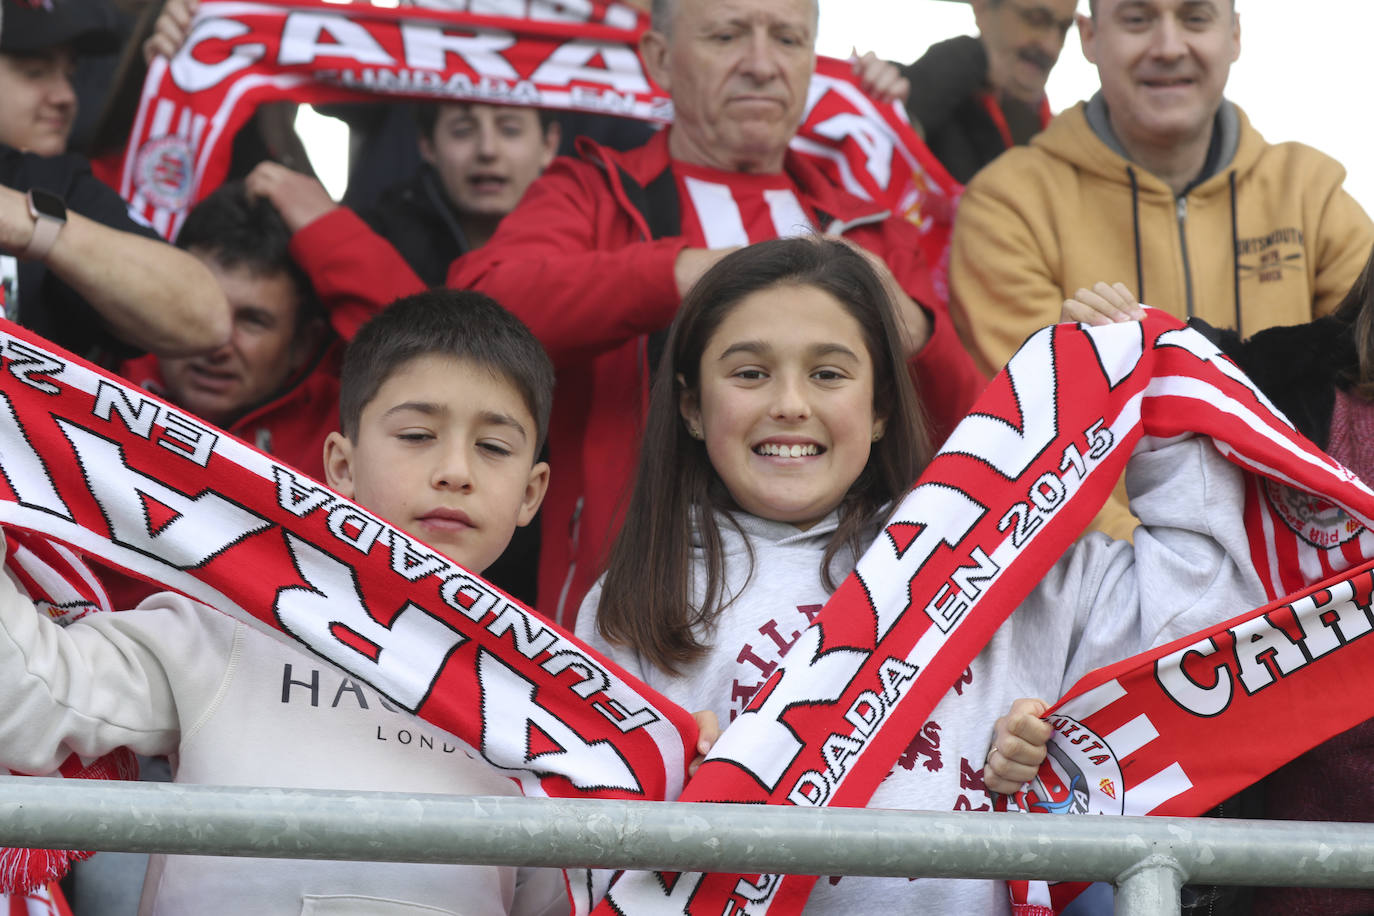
(1162, 184)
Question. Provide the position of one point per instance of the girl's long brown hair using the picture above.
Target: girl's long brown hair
(646, 599)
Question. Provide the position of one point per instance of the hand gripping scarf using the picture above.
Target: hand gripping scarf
(573, 56)
(123, 477)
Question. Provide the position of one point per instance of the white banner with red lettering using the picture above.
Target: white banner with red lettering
(578, 56)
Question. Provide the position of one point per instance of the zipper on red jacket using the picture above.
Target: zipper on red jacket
(1181, 208)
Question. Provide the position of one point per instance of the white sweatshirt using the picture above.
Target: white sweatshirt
(232, 706)
(1103, 601)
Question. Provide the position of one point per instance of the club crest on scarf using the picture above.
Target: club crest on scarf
(163, 171)
(1081, 775)
(1318, 521)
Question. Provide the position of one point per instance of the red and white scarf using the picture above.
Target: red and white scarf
(117, 474)
(1164, 732)
(44, 901)
(580, 56)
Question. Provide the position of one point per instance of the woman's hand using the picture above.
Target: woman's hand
(1101, 305)
(170, 31)
(1019, 743)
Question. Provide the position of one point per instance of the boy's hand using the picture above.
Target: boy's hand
(1102, 305)
(708, 730)
(1019, 744)
(300, 199)
(881, 79)
(170, 30)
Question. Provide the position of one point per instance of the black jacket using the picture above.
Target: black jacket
(946, 86)
(415, 216)
(1299, 368)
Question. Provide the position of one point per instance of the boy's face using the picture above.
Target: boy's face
(487, 155)
(445, 452)
(265, 347)
(37, 101)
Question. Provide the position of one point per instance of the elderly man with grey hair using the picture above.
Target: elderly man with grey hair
(597, 256)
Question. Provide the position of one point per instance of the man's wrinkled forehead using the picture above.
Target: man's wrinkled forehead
(1094, 5)
(804, 14)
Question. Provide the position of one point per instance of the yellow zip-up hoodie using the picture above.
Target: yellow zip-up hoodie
(1269, 238)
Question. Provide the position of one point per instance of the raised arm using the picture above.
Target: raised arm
(355, 272)
(149, 293)
(97, 684)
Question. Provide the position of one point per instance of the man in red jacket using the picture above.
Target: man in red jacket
(275, 383)
(597, 256)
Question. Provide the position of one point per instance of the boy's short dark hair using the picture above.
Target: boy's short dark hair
(237, 230)
(460, 324)
(427, 115)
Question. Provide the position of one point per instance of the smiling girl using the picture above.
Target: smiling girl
(783, 426)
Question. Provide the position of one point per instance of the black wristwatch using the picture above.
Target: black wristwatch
(49, 214)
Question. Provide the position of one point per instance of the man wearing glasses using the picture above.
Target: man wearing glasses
(974, 97)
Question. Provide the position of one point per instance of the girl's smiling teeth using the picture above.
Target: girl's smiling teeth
(779, 450)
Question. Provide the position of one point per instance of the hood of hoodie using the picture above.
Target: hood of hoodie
(764, 534)
(1082, 136)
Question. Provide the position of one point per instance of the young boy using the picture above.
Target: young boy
(444, 404)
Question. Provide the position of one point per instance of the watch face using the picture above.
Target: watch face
(48, 204)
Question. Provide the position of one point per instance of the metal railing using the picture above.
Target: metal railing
(1147, 858)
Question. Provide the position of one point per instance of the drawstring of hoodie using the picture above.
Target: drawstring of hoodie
(1135, 223)
(1235, 256)
(1235, 245)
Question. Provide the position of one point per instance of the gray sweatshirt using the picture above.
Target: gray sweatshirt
(1103, 601)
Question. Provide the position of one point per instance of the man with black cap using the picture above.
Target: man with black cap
(74, 266)
(38, 51)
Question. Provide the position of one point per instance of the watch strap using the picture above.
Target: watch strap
(45, 230)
